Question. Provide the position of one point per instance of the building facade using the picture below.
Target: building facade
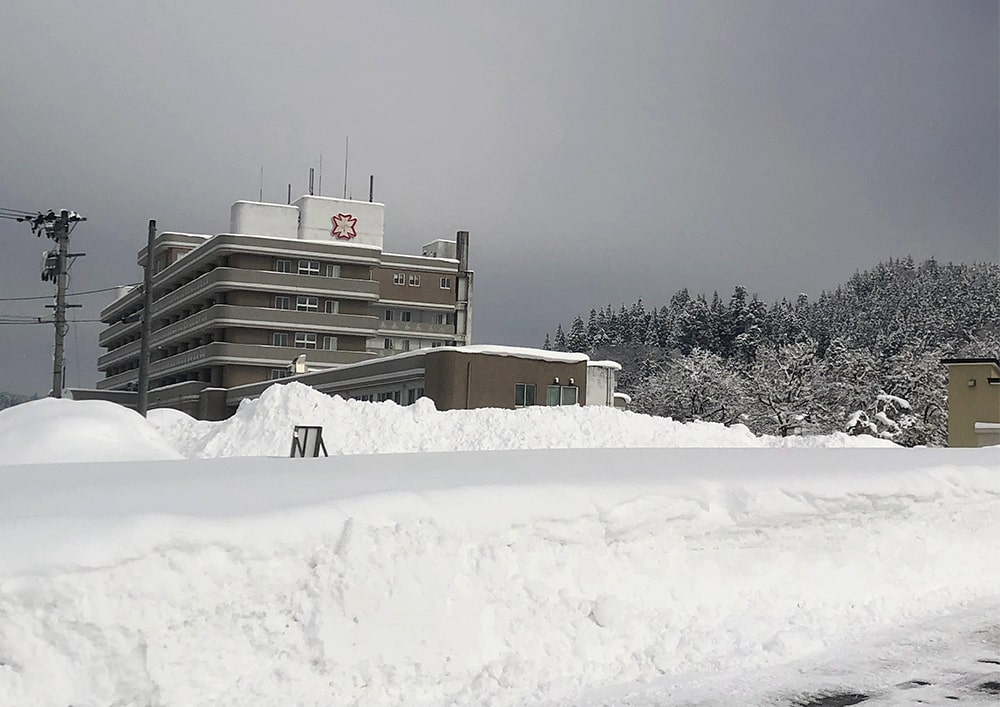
(309, 278)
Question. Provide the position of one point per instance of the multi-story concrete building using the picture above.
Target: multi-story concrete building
(308, 278)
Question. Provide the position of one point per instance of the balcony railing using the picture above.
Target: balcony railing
(222, 353)
(223, 316)
(118, 329)
(224, 279)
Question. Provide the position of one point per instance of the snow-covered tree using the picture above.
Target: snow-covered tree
(696, 386)
(559, 344)
(577, 341)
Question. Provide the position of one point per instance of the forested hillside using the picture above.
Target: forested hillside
(864, 358)
(9, 400)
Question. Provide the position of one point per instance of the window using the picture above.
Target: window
(308, 267)
(304, 340)
(399, 278)
(331, 306)
(387, 344)
(435, 344)
(414, 281)
(406, 316)
(307, 304)
(282, 302)
(524, 394)
(442, 318)
(445, 283)
(279, 338)
(277, 373)
(388, 315)
(282, 265)
(561, 395)
(330, 343)
(413, 394)
(405, 344)
(332, 270)
(395, 396)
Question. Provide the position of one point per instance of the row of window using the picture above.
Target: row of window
(315, 267)
(304, 340)
(407, 316)
(524, 395)
(305, 303)
(406, 344)
(400, 278)
(308, 267)
(310, 340)
(396, 396)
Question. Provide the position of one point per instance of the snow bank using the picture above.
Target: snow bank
(262, 427)
(61, 430)
(499, 578)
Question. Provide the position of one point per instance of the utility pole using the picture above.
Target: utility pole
(142, 403)
(61, 236)
(55, 267)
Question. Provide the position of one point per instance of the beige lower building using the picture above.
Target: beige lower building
(973, 401)
(454, 378)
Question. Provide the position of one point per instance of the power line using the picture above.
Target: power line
(16, 213)
(46, 321)
(68, 294)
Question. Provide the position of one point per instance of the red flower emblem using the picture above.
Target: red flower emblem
(343, 226)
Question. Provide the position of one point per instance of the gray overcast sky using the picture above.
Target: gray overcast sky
(597, 151)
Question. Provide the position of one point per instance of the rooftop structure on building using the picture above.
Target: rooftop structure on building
(308, 278)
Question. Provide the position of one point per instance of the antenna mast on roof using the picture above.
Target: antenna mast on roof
(260, 194)
(347, 147)
(319, 188)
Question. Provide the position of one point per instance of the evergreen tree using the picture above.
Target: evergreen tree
(560, 341)
(577, 341)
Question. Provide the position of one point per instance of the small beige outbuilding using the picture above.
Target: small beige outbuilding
(973, 401)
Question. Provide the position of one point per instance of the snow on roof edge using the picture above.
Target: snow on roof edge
(522, 352)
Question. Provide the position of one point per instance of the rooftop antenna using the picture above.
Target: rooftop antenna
(371, 187)
(260, 193)
(312, 172)
(347, 147)
(319, 189)
(289, 194)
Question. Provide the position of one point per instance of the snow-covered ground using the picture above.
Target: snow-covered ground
(652, 564)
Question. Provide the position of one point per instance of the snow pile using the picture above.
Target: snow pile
(262, 427)
(487, 578)
(61, 430)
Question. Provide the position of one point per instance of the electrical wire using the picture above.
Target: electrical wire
(68, 294)
(4, 321)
